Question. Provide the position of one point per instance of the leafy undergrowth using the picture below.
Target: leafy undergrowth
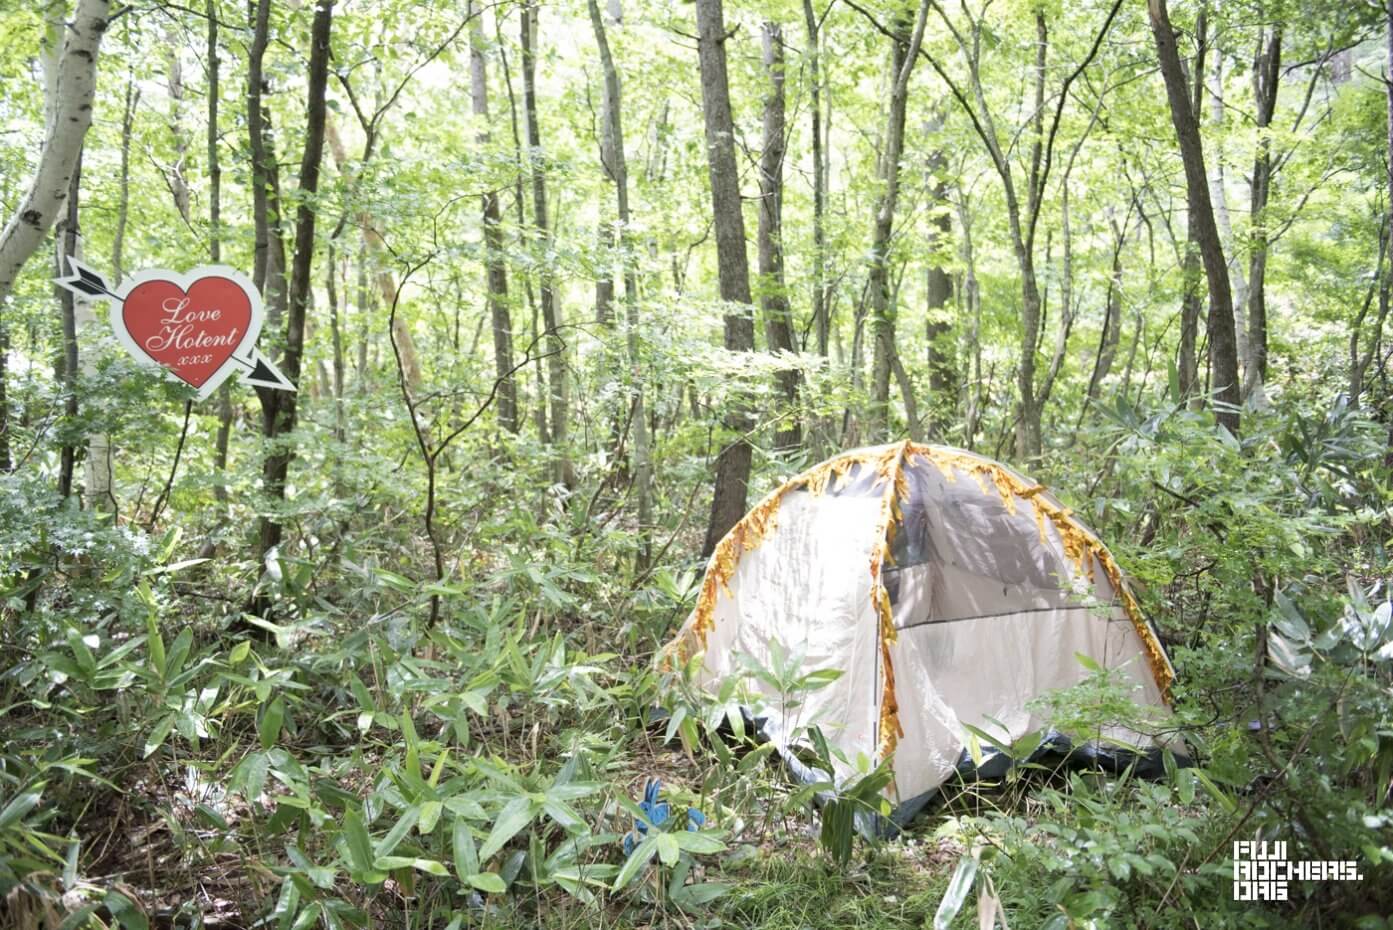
(169, 760)
(384, 775)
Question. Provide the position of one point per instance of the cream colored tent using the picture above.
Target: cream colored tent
(947, 589)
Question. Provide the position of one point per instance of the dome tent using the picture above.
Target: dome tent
(946, 588)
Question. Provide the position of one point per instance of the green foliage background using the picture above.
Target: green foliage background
(341, 761)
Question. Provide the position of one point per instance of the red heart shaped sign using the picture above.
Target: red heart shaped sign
(200, 326)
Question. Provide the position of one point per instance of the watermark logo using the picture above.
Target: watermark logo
(1262, 871)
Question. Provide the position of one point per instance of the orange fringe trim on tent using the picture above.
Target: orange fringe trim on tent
(745, 536)
(892, 469)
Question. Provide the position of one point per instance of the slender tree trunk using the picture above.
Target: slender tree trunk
(123, 187)
(732, 263)
(606, 235)
(364, 305)
(938, 290)
(913, 424)
(1028, 439)
(223, 439)
(331, 291)
(604, 280)
(882, 314)
(813, 56)
(66, 241)
(1223, 349)
(176, 176)
(1219, 196)
(1111, 336)
(1139, 333)
(972, 306)
(1067, 307)
(1267, 73)
(279, 407)
(778, 322)
(1191, 271)
(551, 315)
(617, 166)
(6, 464)
(1388, 182)
(373, 247)
(268, 255)
(1191, 308)
(496, 271)
(524, 275)
(1360, 359)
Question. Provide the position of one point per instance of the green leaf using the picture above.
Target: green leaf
(438, 769)
(398, 832)
(155, 643)
(488, 882)
(956, 894)
(702, 844)
(1185, 785)
(974, 749)
(429, 866)
(308, 917)
(668, 850)
(361, 693)
(79, 918)
(563, 814)
(637, 861)
(1290, 657)
(1288, 620)
(476, 701)
(268, 728)
(159, 734)
(700, 894)
(430, 815)
(320, 876)
(756, 757)
(359, 844)
(1227, 438)
(393, 580)
(250, 774)
(126, 911)
(15, 810)
(518, 813)
(412, 762)
(287, 903)
(239, 652)
(993, 741)
(466, 854)
(1215, 791)
(212, 817)
(178, 653)
(82, 651)
(1027, 744)
(70, 863)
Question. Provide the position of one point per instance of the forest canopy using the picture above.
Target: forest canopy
(563, 289)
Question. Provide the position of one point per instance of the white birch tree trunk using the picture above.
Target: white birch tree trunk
(73, 93)
(1218, 197)
(98, 492)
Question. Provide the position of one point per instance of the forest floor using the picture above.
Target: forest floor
(161, 839)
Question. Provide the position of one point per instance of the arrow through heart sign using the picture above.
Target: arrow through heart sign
(200, 325)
